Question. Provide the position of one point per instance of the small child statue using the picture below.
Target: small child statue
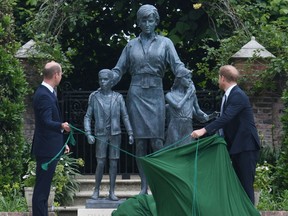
(106, 107)
(182, 106)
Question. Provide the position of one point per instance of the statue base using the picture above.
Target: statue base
(103, 203)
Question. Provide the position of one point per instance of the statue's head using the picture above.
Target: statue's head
(145, 11)
(105, 77)
(183, 75)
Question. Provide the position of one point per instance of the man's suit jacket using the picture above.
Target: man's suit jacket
(48, 137)
(238, 123)
(95, 110)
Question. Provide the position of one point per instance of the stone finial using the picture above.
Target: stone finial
(253, 49)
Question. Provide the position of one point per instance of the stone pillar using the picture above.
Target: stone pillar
(251, 60)
(33, 78)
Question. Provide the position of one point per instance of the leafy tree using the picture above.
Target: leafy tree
(92, 34)
(12, 93)
(248, 19)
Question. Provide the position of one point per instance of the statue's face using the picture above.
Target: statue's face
(186, 80)
(148, 24)
(105, 81)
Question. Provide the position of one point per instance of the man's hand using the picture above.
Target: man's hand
(67, 149)
(198, 133)
(91, 139)
(65, 126)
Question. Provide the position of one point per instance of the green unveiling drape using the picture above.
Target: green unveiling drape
(191, 180)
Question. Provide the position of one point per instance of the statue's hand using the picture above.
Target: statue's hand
(131, 139)
(190, 90)
(91, 139)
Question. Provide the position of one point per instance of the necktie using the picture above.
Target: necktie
(223, 104)
(221, 132)
(55, 93)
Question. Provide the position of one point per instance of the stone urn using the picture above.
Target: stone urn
(29, 194)
(257, 194)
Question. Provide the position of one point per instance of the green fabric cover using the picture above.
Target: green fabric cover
(181, 185)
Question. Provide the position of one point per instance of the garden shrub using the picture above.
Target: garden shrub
(12, 93)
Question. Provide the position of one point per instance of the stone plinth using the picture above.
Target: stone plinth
(95, 212)
(103, 203)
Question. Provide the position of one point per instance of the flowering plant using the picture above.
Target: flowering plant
(64, 179)
(263, 177)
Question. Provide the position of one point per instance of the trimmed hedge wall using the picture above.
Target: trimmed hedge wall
(13, 89)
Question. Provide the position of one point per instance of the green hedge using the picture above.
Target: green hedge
(12, 93)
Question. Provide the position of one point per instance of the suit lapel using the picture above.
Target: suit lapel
(55, 99)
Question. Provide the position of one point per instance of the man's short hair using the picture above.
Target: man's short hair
(50, 69)
(229, 72)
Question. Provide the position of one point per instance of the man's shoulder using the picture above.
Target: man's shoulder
(41, 91)
(41, 88)
(237, 90)
(238, 95)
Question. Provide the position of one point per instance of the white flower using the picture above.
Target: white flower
(25, 176)
(197, 6)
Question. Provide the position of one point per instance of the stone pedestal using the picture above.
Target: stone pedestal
(103, 203)
(29, 195)
(95, 212)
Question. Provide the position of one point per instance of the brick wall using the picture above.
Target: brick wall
(267, 112)
(34, 79)
(29, 120)
(267, 105)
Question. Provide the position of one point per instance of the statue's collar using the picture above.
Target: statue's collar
(155, 36)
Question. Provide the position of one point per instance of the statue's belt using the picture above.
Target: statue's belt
(146, 81)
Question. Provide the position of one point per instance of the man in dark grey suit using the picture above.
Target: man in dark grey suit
(237, 123)
(48, 135)
(106, 107)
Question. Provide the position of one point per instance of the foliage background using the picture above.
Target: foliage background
(88, 35)
(12, 93)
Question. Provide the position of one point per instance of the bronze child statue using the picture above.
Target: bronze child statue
(106, 107)
(182, 106)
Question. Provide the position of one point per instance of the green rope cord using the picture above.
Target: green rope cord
(71, 126)
(170, 145)
(70, 139)
(194, 201)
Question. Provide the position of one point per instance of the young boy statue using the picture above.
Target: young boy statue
(106, 107)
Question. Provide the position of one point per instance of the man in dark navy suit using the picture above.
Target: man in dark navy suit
(48, 135)
(237, 124)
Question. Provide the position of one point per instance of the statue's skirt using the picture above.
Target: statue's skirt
(146, 109)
